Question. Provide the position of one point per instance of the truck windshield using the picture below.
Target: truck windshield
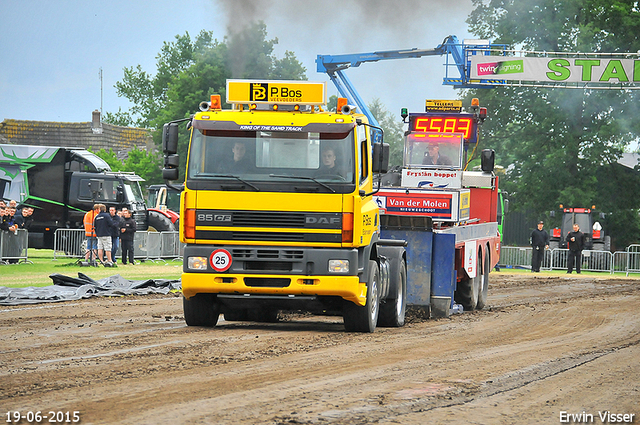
(133, 192)
(272, 156)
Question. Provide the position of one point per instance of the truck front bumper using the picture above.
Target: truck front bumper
(273, 270)
(346, 287)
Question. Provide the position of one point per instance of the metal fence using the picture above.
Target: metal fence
(147, 246)
(556, 259)
(14, 246)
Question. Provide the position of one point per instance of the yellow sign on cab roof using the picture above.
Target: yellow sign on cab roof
(276, 91)
(443, 105)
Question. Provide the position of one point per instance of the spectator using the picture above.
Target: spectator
(11, 246)
(575, 243)
(90, 232)
(127, 233)
(103, 226)
(115, 235)
(8, 220)
(539, 242)
(24, 218)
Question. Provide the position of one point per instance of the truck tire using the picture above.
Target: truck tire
(484, 287)
(365, 318)
(392, 311)
(159, 222)
(468, 289)
(201, 310)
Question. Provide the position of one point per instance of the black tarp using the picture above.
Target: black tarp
(66, 288)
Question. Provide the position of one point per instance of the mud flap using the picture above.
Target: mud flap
(443, 274)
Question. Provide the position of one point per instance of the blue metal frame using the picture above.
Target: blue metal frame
(334, 66)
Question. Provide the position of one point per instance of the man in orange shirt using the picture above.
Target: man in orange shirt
(90, 231)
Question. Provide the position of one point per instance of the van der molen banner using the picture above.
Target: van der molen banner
(556, 70)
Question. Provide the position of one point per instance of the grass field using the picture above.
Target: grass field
(42, 265)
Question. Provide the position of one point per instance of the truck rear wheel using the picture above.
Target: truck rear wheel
(201, 310)
(392, 312)
(484, 287)
(365, 318)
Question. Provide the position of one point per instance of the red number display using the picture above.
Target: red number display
(440, 124)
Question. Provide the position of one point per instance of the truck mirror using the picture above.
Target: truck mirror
(171, 161)
(170, 170)
(380, 162)
(552, 213)
(170, 138)
(119, 194)
(505, 208)
(488, 160)
(170, 173)
(95, 186)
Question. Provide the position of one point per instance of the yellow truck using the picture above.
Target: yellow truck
(278, 210)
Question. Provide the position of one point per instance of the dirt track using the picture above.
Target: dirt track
(544, 345)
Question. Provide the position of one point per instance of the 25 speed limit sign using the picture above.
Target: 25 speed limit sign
(220, 260)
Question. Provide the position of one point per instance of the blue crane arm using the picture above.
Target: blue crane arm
(334, 66)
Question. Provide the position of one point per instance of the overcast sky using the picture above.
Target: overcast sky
(51, 52)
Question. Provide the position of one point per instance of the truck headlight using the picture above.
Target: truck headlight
(338, 266)
(197, 263)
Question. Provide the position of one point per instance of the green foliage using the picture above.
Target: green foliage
(147, 165)
(554, 142)
(190, 71)
(393, 131)
(110, 158)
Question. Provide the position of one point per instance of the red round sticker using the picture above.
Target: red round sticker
(220, 260)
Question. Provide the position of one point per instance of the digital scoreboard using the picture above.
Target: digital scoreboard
(442, 122)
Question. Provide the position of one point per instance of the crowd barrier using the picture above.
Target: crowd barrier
(556, 259)
(164, 246)
(147, 246)
(14, 246)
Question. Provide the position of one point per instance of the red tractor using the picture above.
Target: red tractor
(594, 237)
(163, 202)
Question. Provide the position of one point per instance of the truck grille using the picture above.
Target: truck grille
(267, 219)
(264, 282)
(267, 254)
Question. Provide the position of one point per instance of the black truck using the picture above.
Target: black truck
(62, 184)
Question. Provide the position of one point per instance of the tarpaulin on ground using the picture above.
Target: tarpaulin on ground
(66, 288)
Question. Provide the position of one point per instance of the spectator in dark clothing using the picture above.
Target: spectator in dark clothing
(8, 220)
(23, 218)
(104, 229)
(127, 232)
(575, 243)
(115, 234)
(539, 242)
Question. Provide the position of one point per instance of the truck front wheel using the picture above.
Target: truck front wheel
(201, 310)
(392, 312)
(365, 318)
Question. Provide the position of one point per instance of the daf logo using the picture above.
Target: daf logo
(322, 220)
(222, 217)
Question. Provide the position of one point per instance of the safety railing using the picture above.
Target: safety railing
(147, 246)
(14, 246)
(557, 259)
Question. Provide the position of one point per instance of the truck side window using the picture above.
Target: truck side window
(364, 153)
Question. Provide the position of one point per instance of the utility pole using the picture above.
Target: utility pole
(100, 76)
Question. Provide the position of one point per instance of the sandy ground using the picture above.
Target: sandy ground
(544, 348)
